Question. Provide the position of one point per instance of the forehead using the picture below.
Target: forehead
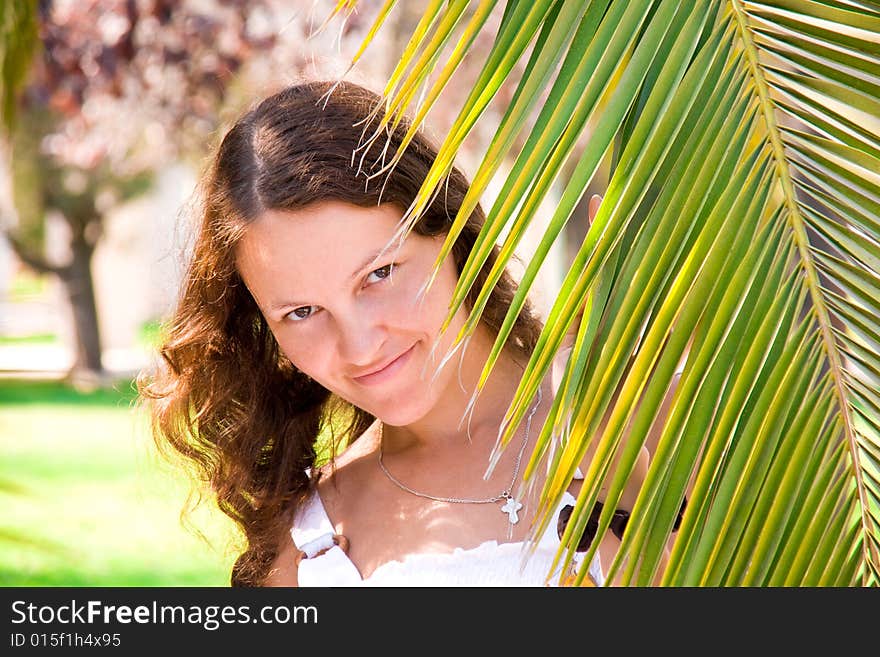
(330, 226)
(308, 248)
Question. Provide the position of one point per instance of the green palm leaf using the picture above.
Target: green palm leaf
(733, 268)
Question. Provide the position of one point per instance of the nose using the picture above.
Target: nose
(360, 338)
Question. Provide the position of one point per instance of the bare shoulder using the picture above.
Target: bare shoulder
(283, 571)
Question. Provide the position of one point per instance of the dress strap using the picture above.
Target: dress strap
(324, 560)
(310, 521)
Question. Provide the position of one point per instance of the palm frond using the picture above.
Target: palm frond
(733, 267)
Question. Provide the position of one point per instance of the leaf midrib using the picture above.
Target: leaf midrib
(799, 235)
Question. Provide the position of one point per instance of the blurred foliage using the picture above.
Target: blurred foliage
(121, 88)
(150, 333)
(26, 284)
(42, 181)
(18, 39)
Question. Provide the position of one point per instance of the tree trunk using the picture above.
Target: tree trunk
(79, 285)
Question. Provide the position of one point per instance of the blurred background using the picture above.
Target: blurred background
(117, 106)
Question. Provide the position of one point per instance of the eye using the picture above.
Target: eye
(381, 273)
(301, 313)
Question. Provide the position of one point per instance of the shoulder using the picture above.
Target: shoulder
(344, 468)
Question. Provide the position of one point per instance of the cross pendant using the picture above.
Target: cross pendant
(511, 506)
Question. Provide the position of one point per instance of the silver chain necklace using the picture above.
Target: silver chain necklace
(510, 507)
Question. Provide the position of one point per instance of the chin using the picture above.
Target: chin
(397, 415)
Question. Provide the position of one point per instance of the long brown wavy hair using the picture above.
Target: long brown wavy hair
(224, 396)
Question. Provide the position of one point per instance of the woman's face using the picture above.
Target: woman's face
(346, 316)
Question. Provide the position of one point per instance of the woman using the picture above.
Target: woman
(301, 371)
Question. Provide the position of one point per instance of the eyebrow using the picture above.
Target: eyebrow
(366, 263)
(370, 259)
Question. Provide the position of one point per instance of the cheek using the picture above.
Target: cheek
(400, 308)
(435, 306)
(429, 317)
(308, 356)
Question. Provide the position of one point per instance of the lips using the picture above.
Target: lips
(386, 371)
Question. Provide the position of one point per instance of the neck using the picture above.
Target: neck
(450, 423)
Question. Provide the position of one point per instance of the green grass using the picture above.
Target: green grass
(87, 502)
(55, 394)
(33, 339)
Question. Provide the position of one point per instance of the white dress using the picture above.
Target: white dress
(489, 564)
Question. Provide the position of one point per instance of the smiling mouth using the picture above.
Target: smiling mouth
(387, 371)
